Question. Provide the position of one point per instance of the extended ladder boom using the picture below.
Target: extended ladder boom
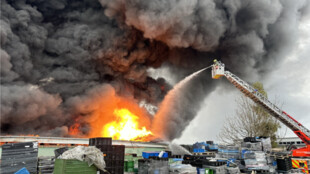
(302, 132)
(258, 98)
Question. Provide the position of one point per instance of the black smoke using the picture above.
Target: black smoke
(52, 51)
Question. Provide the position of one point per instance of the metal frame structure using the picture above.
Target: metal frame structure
(302, 132)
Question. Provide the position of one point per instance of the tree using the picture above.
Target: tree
(250, 120)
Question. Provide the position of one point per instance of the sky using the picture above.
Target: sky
(288, 86)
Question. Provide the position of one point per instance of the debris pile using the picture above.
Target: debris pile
(251, 155)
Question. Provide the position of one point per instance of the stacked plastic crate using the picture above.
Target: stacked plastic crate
(129, 166)
(210, 146)
(199, 147)
(216, 166)
(284, 162)
(18, 155)
(225, 154)
(229, 152)
(153, 164)
(114, 155)
(253, 146)
(266, 143)
(232, 170)
(254, 155)
(46, 164)
(255, 160)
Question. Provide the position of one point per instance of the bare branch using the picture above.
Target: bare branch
(250, 120)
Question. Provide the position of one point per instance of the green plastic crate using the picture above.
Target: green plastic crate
(63, 166)
(129, 166)
(209, 171)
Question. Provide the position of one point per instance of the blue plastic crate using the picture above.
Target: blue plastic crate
(201, 170)
(177, 159)
(199, 145)
(212, 147)
(22, 171)
(147, 155)
(228, 151)
(199, 150)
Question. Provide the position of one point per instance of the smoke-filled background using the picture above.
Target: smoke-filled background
(56, 56)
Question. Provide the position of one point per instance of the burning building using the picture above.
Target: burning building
(81, 68)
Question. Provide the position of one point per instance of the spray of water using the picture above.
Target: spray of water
(178, 150)
(180, 106)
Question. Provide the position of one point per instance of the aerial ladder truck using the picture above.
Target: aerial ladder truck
(218, 70)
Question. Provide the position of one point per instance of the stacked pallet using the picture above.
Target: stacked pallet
(46, 164)
(18, 155)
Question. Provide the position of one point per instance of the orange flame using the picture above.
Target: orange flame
(116, 117)
(74, 129)
(125, 127)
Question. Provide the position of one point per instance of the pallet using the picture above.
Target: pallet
(283, 156)
(256, 171)
(204, 154)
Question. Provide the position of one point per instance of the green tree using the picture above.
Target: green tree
(250, 120)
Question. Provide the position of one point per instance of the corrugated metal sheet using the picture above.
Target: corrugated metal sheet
(79, 141)
(18, 155)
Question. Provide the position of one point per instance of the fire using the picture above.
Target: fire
(106, 114)
(125, 127)
(74, 129)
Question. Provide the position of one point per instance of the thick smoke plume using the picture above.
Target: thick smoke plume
(56, 52)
